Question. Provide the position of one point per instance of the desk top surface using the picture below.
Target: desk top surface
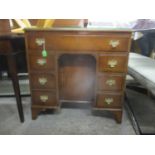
(80, 29)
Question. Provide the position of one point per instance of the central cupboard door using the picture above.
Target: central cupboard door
(77, 77)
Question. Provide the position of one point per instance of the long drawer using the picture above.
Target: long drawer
(110, 82)
(109, 100)
(80, 42)
(43, 81)
(44, 98)
(113, 63)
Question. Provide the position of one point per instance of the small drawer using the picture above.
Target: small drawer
(70, 41)
(106, 100)
(43, 81)
(44, 98)
(110, 82)
(37, 62)
(113, 63)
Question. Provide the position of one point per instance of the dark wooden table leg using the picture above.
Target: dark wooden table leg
(13, 73)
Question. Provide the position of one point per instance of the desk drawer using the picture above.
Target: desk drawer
(106, 100)
(110, 82)
(37, 62)
(45, 98)
(113, 63)
(43, 81)
(79, 42)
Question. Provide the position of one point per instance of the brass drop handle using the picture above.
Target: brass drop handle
(41, 62)
(110, 82)
(108, 100)
(40, 41)
(42, 81)
(112, 63)
(114, 43)
(44, 98)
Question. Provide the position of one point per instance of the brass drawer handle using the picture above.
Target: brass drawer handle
(44, 98)
(108, 100)
(40, 41)
(114, 43)
(42, 81)
(112, 63)
(110, 82)
(41, 62)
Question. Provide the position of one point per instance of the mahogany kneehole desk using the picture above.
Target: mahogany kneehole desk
(79, 65)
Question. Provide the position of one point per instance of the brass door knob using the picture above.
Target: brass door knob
(114, 43)
(110, 82)
(42, 81)
(41, 62)
(44, 98)
(112, 63)
(108, 100)
(40, 41)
